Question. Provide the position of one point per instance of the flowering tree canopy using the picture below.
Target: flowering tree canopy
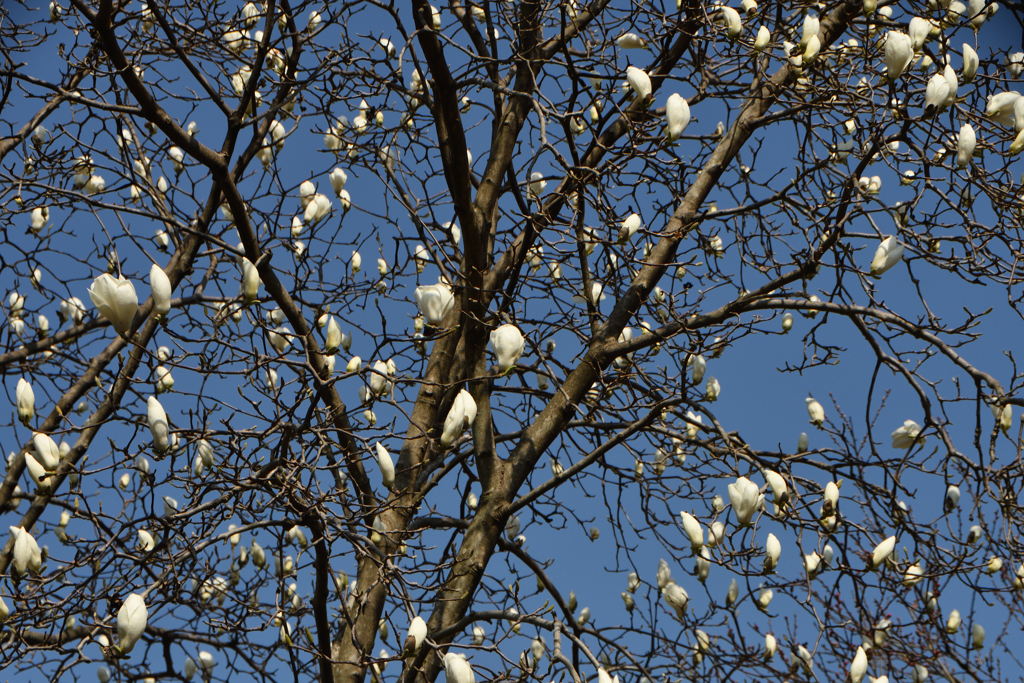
(620, 341)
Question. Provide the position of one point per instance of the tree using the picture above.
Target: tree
(272, 461)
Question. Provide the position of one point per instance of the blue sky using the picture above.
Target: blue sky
(760, 401)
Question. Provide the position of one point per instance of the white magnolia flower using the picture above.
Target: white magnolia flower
(596, 294)
(732, 593)
(677, 116)
(332, 135)
(631, 41)
(457, 669)
(770, 646)
(508, 344)
(629, 227)
(1000, 107)
(677, 598)
(277, 133)
(780, 492)
(537, 184)
(664, 574)
(158, 426)
(953, 622)
(422, 257)
(970, 63)
(387, 466)
(936, 94)
(435, 302)
(1003, 416)
(250, 280)
(115, 299)
(977, 13)
(693, 423)
(952, 499)
(978, 631)
(1014, 64)
(71, 309)
(699, 368)
(746, 499)
(810, 29)
(47, 451)
(279, 338)
(772, 551)
(899, 51)
(713, 389)
(146, 541)
(812, 50)
(950, 75)
(417, 634)
(716, 533)
(965, 144)
(38, 219)
(730, 18)
(338, 179)
(764, 36)
(460, 418)
(812, 565)
(388, 47)
(164, 380)
(378, 379)
(131, 622)
(907, 435)
(38, 474)
(918, 30)
(694, 531)
(388, 155)
(235, 40)
(26, 554)
(888, 254)
(206, 661)
(640, 82)
(160, 286)
(26, 400)
(815, 411)
(881, 553)
(859, 667)
(512, 527)
(319, 208)
(333, 341)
